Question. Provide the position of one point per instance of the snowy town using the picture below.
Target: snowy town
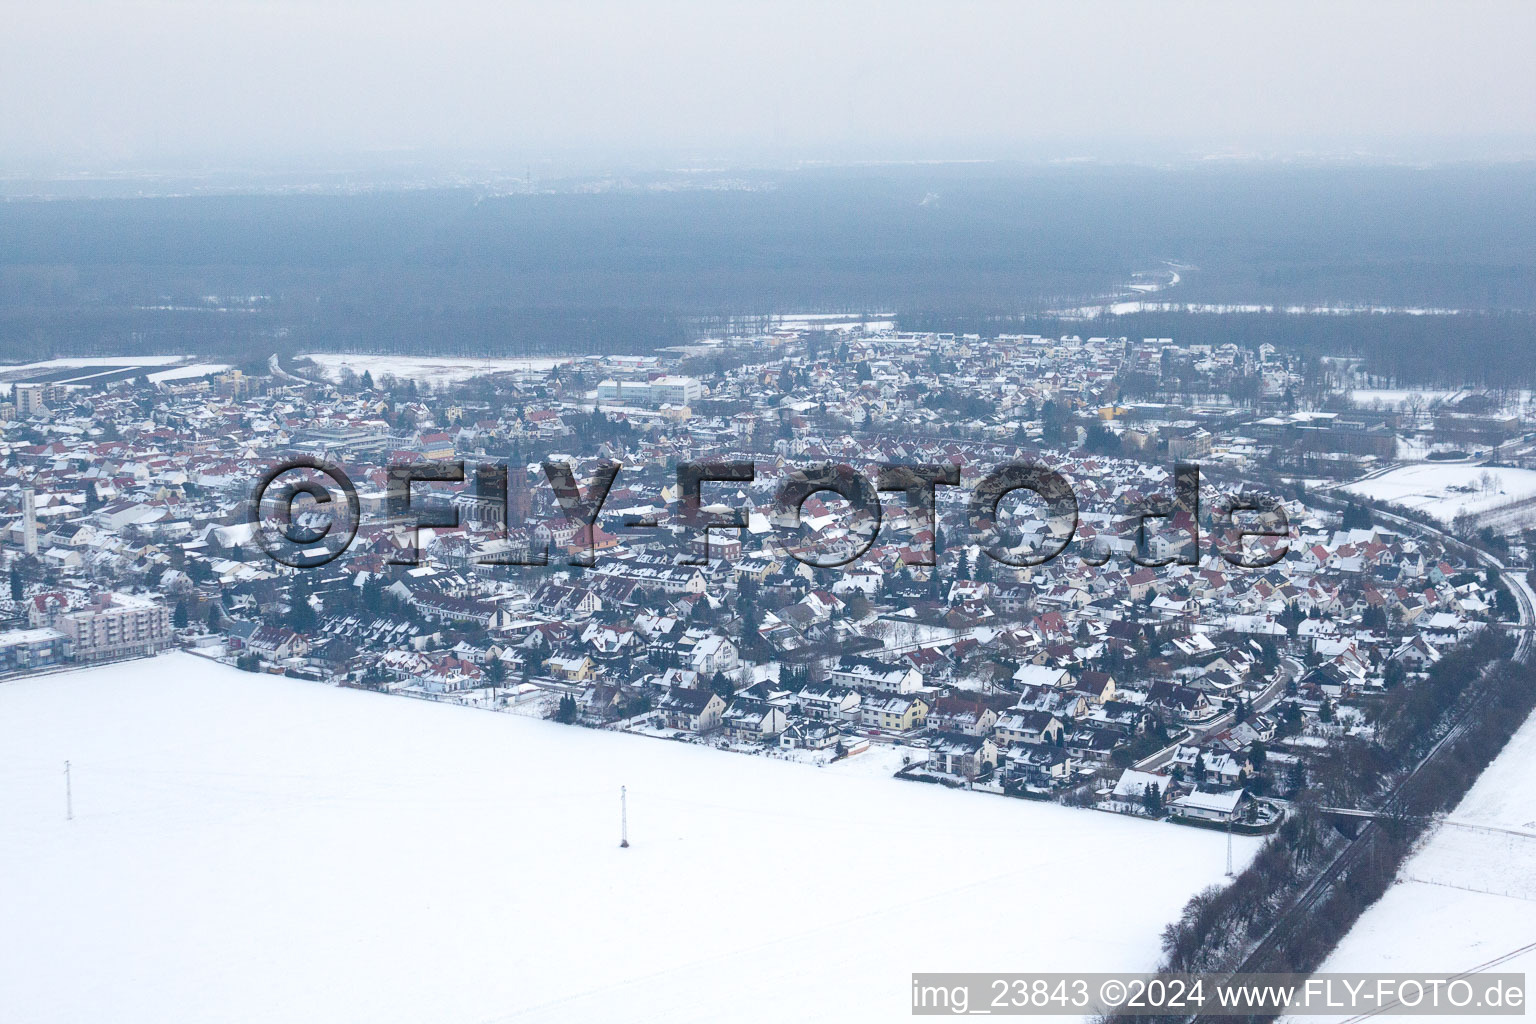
(1039, 498)
(1136, 672)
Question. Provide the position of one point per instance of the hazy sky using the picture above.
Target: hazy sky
(159, 82)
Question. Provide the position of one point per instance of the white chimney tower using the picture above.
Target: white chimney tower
(28, 521)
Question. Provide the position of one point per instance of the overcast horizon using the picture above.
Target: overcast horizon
(162, 86)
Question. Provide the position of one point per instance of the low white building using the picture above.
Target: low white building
(1209, 806)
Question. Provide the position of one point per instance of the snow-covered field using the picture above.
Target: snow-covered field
(77, 361)
(175, 367)
(1468, 896)
(830, 322)
(1396, 398)
(1444, 491)
(428, 369)
(1142, 306)
(190, 370)
(253, 848)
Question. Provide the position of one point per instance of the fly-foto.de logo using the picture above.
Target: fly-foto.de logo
(306, 512)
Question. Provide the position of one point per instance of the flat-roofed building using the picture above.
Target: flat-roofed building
(116, 626)
(22, 650)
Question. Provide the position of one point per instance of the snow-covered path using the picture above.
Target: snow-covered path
(252, 848)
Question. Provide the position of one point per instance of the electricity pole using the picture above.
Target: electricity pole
(1229, 848)
(623, 819)
(69, 796)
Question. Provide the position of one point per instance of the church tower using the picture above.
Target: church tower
(519, 494)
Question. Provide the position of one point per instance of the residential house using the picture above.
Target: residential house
(696, 711)
(963, 755)
(894, 714)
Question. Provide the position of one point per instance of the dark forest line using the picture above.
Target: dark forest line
(982, 248)
(1411, 349)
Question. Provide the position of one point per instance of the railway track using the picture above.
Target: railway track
(1259, 958)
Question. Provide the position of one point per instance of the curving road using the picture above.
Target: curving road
(1289, 669)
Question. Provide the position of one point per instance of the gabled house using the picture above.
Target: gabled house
(750, 720)
(828, 702)
(965, 756)
(894, 714)
(696, 711)
(276, 643)
(867, 674)
(1041, 675)
(1096, 687)
(1015, 727)
(961, 715)
(573, 670)
(809, 735)
(1037, 766)
(1416, 653)
(1184, 702)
